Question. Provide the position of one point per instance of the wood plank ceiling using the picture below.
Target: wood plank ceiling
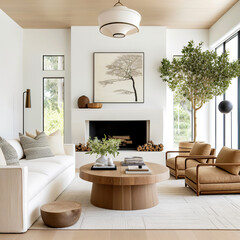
(67, 13)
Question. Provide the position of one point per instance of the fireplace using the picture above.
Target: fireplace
(131, 133)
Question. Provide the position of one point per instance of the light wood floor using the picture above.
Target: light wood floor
(124, 234)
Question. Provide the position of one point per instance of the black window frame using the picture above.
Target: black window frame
(237, 34)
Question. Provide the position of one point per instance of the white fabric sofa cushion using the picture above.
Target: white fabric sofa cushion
(42, 171)
(36, 183)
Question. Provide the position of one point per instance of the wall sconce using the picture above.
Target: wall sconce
(27, 102)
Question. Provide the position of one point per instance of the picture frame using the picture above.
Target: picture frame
(118, 77)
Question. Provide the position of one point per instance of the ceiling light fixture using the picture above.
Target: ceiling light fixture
(119, 21)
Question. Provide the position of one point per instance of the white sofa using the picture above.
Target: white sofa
(25, 188)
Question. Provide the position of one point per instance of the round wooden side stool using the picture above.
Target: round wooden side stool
(60, 214)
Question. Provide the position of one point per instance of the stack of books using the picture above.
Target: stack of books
(133, 161)
(138, 170)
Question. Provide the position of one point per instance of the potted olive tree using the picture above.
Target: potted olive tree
(198, 76)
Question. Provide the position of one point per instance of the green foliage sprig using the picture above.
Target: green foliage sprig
(104, 146)
(199, 76)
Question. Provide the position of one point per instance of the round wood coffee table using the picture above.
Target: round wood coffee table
(60, 214)
(116, 190)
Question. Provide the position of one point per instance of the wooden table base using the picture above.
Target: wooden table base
(132, 197)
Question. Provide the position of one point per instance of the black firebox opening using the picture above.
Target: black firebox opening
(131, 133)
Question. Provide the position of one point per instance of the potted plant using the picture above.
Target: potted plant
(198, 76)
(102, 148)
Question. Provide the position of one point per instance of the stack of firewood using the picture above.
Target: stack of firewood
(150, 147)
(125, 140)
(82, 148)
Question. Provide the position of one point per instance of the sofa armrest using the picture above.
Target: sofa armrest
(13, 199)
(69, 149)
(176, 152)
(197, 158)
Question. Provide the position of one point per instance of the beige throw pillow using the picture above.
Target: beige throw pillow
(2, 159)
(201, 149)
(56, 142)
(28, 134)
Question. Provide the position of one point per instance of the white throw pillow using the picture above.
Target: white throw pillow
(2, 159)
(56, 142)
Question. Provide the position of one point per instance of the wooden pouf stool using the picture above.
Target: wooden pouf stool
(60, 214)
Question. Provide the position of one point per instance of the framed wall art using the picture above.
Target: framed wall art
(118, 77)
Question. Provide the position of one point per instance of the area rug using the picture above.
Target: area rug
(178, 208)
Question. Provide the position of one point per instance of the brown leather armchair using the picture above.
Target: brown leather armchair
(215, 178)
(176, 164)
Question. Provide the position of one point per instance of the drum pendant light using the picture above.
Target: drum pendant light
(119, 21)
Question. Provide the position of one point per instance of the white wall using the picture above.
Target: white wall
(227, 25)
(39, 42)
(11, 81)
(87, 40)
(156, 43)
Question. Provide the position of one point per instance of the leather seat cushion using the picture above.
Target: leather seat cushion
(211, 175)
(181, 163)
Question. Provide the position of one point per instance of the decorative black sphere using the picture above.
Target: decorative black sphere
(225, 106)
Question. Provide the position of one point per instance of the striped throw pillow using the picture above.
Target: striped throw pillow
(9, 152)
(37, 147)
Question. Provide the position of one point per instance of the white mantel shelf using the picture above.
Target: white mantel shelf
(81, 118)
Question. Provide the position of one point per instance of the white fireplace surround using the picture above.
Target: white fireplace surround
(81, 118)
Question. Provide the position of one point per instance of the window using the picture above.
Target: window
(53, 93)
(231, 119)
(226, 128)
(53, 113)
(53, 62)
(182, 119)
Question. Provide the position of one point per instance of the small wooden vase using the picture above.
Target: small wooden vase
(83, 102)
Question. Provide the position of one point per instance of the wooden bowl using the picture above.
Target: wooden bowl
(94, 105)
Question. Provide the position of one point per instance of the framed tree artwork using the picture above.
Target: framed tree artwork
(118, 77)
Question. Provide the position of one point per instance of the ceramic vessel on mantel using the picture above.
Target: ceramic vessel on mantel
(83, 102)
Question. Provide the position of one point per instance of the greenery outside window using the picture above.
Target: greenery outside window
(53, 62)
(53, 104)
